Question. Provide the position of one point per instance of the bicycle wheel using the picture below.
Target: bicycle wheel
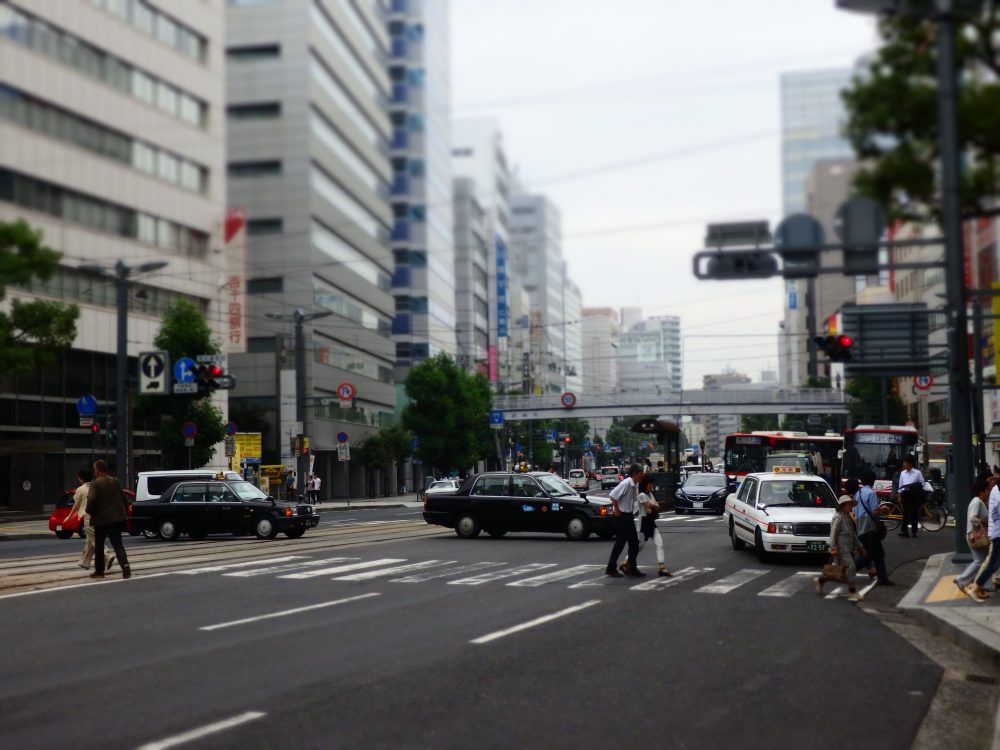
(932, 517)
(892, 515)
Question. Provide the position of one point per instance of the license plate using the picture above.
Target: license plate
(697, 505)
(816, 546)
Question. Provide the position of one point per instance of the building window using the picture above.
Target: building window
(253, 52)
(270, 285)
(261, 344)
(257, 227)
(254, 111)
(254, 168)
(151, 21)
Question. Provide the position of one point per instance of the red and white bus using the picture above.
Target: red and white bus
(747, 452)
(879, 448)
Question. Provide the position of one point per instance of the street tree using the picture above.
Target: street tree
(865, 402)
(184, 333)
(30, 332)
(893, 118)
(448, 411)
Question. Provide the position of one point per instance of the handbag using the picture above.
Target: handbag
(834, 571)
(879, 523)
(979, 538)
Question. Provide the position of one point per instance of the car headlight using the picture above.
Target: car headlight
(681, 495)
(603, 510)
(289, 512)
(779, 528)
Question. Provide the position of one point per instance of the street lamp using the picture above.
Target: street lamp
(121, 273)
(300, 317)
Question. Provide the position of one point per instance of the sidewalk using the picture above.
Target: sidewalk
(937, 603)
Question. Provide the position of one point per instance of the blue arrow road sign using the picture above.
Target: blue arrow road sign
(184, 370)
(586, 443)
(86, 406)
(496, 417)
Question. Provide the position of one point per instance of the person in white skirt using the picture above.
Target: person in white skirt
(647, 522)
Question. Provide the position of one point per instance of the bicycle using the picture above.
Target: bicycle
(932, 517)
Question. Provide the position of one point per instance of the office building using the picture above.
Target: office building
(717, 426)
(573, 335)
(471, 277)
(309, 163)
(650, 356)
(423, 285)
(600, 332)
(111, 144)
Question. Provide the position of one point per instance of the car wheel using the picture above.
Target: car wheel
(169, 531)
(577, 528)
(758, 544)
(295, 533)
(737, 543)
(63, 534)
(265, 528)
(466, 526)
(496, 533)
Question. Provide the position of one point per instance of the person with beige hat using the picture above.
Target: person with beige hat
(845, 546)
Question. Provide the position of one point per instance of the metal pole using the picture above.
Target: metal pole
(301, 461)
(958, 376)
(121, 369)
(978, 418)
(813, 367)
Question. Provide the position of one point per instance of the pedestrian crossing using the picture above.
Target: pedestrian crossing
(773, 583)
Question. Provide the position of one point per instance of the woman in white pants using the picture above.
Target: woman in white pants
(647, 522)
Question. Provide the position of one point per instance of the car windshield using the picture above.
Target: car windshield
(609, 470)
(802, 494)
(705, 480)
(554, 485)
(247, 491)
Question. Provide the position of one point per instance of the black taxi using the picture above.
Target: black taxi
(199, 508)
(498, 502)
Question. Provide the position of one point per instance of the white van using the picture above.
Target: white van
(151, 484)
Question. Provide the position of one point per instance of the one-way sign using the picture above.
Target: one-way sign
(154, 373)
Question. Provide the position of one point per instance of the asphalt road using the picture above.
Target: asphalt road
(434, 641)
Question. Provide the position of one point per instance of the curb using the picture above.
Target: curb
(961, 631)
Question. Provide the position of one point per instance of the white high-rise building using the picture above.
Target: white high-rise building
(112, 119)
(600, 333)
(573, 336)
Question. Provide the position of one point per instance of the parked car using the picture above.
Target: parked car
(498, 502)
(149, 485)
(65, 526)
(703, 492)
(610, 477)
(578, 479)
(199, 508)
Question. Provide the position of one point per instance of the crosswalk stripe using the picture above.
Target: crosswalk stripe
(838, 591)
(272, 569)
(556, 575)
(383, 572)
(421, 577)
(345, 568)
(694, 519)
(244, 564)
(731, 582)
(789, 586)
(500, 574)
(662, 583)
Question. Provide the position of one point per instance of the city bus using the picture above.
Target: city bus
(880, 448)
(747, 452)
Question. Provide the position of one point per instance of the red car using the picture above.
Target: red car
(64, 526)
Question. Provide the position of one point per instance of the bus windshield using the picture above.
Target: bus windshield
(745, 453)
(880, 452)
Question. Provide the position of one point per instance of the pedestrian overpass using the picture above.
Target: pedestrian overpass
(695, 403)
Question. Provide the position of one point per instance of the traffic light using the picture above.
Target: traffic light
(111, 435)
(837, 348)
(737, 264)
(209, 376)
(567, 439)
(95, 430)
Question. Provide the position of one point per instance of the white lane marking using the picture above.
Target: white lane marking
(789, 586)
(411, 513)
(668, 519)
(839, 591)
(81, 585)
(604, 580)
(664, 583)
(731, 582)
(420, 577)
(345, 568)
(286, 613)
(864, 592)
(272, 569)
(383, 572)
(499, 574)
(533, 623)
(244, 564)
(694, 519)
(556, 575)
(197, 734)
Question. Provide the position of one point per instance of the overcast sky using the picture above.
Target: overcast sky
(644, 120)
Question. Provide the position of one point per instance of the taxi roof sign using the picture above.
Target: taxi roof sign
(786, 470)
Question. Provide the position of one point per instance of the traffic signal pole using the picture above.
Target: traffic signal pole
(121, 374)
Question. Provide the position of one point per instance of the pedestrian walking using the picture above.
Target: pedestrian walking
(108, 509)
(317, 483)
(290, 485)
(871, 529)
(623, 499)
(992, 561)
(844, 547)
(84, 477)
(976, 525)
(911, 493)
(647, 524)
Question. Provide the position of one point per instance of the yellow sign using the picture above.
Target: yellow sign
(248, 444)
(272, 471)
(786, 470)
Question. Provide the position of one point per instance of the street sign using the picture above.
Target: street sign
(550, 436)
(923, 382)
(586, 443)
(230, 428)
(86, 421)
(249, 444)
(154, 373)
(189, 429)
(184, 371)
(185, 387)
(209, 358)
(814, 420)
(496, 420)
(568, 399)
(189, 442)
(346, 391)
(342, 437)
(86, 406)
(230, 446)
(888, 340)
(344, 452)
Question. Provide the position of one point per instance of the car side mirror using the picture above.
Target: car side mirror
(761, 506)
(583, 495)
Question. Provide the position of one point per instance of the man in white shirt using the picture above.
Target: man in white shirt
(316, 484)
(911, 492)
(623, 498)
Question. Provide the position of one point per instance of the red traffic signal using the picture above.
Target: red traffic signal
(214, 371)
(837, 348)
(94, 428)
(845, 341)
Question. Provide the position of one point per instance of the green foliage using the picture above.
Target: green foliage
(893, 118)
(32, 332)
(449, 412)
(387, 446)
(865, 402)
(184, 333)
(754, 422)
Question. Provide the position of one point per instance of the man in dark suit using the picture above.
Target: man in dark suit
(108, 515)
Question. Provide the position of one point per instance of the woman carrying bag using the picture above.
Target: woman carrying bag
(977, 519)
(845, 546)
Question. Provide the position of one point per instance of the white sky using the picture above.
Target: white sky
(684, 92)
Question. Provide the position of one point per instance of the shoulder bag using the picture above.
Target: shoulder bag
(879, 523)
(979, 537)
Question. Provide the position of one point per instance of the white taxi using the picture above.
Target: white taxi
(784, 511)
